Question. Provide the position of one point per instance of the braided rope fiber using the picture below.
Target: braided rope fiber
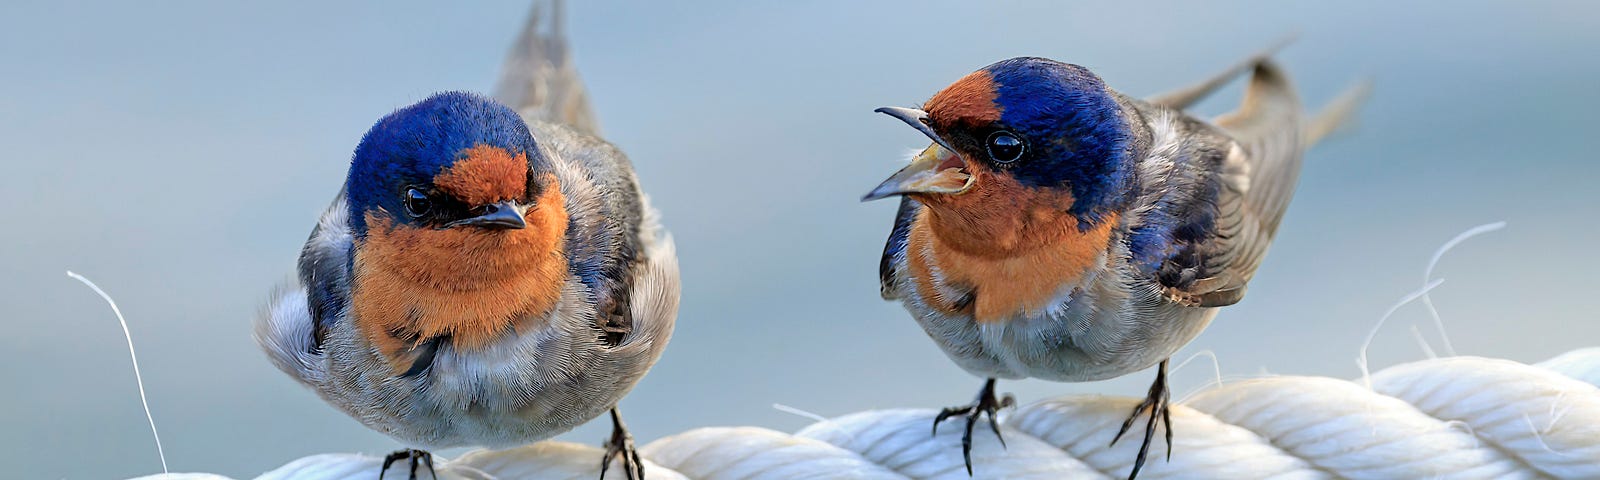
(1448, 418)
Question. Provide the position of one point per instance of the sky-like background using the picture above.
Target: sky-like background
(178, 153)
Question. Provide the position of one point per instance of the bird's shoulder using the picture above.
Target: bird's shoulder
(894, 251)
(1205, 208)
(324, 268)
(300, 315)
(1188, 225)
(605, 215)
(1213, 194)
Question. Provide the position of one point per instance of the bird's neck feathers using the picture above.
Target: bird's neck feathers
(414, 284)
(1015, 247)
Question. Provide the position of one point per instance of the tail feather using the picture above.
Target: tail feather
(1187, 96)
(1269, 102)
(1267, 126)
(1337, 114)
(539, 80)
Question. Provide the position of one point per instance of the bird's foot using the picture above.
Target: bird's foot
(412, 457)
(621, 447)
(986, 403)
(1156, 404)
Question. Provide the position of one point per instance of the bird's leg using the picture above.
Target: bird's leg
(621, 447)
(986, 403)
(413, 457)
(1156, 403)
(427, 460)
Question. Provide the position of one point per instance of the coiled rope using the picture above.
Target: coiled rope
(1451, 418)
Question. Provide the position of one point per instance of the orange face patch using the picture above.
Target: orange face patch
(969, 101)
(1015, 247)
(485, 175)
(413, 284)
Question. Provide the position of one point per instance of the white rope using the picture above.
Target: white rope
(1582, 364)
(1448, 418)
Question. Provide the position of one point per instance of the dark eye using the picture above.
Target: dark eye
(1005, 147)
(417, 203)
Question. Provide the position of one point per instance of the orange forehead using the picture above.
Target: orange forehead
(484, 175)
(970, 100)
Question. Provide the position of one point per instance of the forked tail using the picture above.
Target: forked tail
(538, 79)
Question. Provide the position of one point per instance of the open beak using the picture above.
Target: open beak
(498, 216)
(937, 169)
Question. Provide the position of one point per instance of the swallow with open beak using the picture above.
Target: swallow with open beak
(1057, 229)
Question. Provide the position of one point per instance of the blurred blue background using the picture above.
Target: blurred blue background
(178, 153)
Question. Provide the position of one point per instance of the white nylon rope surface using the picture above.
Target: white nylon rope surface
(1449, 418)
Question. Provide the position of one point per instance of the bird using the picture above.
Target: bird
(490, 274)
(1058, 229)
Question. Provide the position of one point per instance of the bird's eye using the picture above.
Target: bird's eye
(418, 203)
(1005, 147)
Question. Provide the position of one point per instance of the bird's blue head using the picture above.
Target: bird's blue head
(453, 160)
(459, 224)
(1025, 125)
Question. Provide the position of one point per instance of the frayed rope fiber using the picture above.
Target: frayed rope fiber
(1448, 418)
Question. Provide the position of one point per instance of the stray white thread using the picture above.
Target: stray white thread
(136, 376)
(1465, 427)
(1366, 374)
(795, 411)
(1539, 436)
(1216, 368)
(1555, 415)
(1427, 275)
(1422, 343)
(818, 418)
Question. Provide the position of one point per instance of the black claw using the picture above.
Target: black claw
(389, 460)
(944, 414)
(621, 447)
(1156, 403)
(966, 440)
(986, 404)
(994, 425)
(1166, 417)
(413, 458)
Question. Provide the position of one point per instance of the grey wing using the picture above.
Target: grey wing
(539, 80)
(605, 241)
(894, 251)
(325, 267)
(604, 205)
(1256, 179)
(296, 322)
(653, 296)
(1187, 96)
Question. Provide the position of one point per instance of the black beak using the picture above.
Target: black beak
(917, 119)
(937, 169)
(505, 215)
